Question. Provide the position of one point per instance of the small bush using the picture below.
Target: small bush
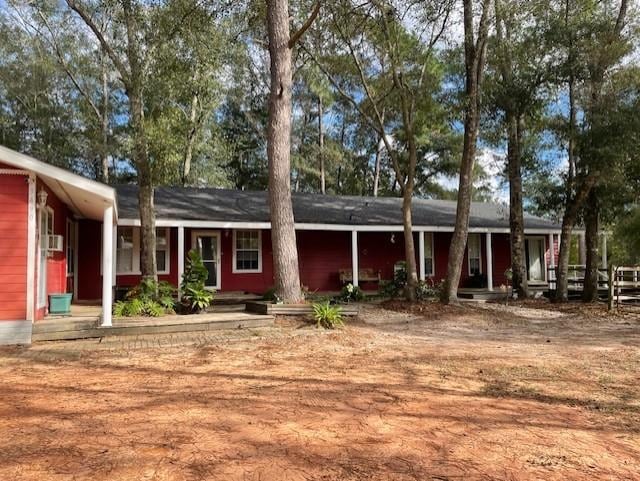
(327, 315)
(270, 295)
(149, 298)
(428, 290)
(351, 293)
(395, 287)
(195, 296)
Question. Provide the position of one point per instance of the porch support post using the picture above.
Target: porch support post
(603, 255)
(582, 248)
(180, 256)
(32, 249)
(354, 256)
(489, 255)
(421, 254)
(107, 265)
(552, 253)
(114, 264)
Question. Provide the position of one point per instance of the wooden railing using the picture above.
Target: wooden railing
(625, 285)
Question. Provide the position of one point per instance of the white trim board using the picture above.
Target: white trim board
(85, 197)
(25, 162)
(205, 224)
(218, 235)
(31, 249)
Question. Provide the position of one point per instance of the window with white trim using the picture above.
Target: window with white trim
(162, 250)
(247, 251)
(428, 254)
(127, 246)
(474, 254)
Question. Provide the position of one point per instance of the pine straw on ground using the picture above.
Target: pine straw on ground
(421, 392)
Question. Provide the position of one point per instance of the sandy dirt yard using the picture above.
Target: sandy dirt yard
(429, 393)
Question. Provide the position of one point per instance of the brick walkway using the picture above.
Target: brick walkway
(124, 344)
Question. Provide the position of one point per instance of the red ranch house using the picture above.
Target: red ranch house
(64, 233)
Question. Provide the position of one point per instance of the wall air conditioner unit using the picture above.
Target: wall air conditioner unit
(55, 243)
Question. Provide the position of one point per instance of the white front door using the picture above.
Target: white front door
(207, 243)
(535, 259)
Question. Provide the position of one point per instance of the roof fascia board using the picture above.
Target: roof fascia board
(204, 224)
(26, 162)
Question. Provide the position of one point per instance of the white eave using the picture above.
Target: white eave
(86, 198)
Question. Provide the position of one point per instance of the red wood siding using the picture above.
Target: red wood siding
(501, 258)
(89, 246)
(57, 261)
(321, 254)
(14, 205)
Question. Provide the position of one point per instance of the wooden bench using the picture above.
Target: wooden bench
(364, 275)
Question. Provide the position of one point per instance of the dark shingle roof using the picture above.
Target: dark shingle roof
(185, 203)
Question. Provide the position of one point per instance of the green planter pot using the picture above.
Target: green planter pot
(60, 303)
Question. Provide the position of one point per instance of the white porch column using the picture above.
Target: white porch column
(603, 255)
(582, 248)
(489, 255)
(421, 254)
(354, 256)
(107, 265)
(114, 264)
(180, 256)
(552, 251)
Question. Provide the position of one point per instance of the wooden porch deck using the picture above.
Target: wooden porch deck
(86, 326)
(496, 294)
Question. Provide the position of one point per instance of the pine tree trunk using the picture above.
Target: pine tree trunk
(572, 207)
(285, 254)
(191, 140)
(465, 185)
(516, 215)
(376, 168)
(407, 221)
(148, 266)
(323, 186)
(590, 291)
(475, 52)
(104, 121)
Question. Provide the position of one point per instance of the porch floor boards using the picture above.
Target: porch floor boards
(86, 328)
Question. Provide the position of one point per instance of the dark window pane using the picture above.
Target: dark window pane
(161, 261)
(213, 274)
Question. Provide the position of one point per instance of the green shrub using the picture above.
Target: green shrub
(351, 293)
(195, 296)
(197, 299)
(428, 290)
(149, 298)
(270, 295)
(152, 308)
(327, 315)
(119, 308)
(395, 287)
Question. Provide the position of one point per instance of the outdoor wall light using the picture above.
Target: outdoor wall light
(42, 198)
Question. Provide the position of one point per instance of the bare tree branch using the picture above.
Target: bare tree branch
(81, 10)
(300, 32)
(66, 68)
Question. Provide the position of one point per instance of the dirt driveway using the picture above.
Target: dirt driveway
(430, 394)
